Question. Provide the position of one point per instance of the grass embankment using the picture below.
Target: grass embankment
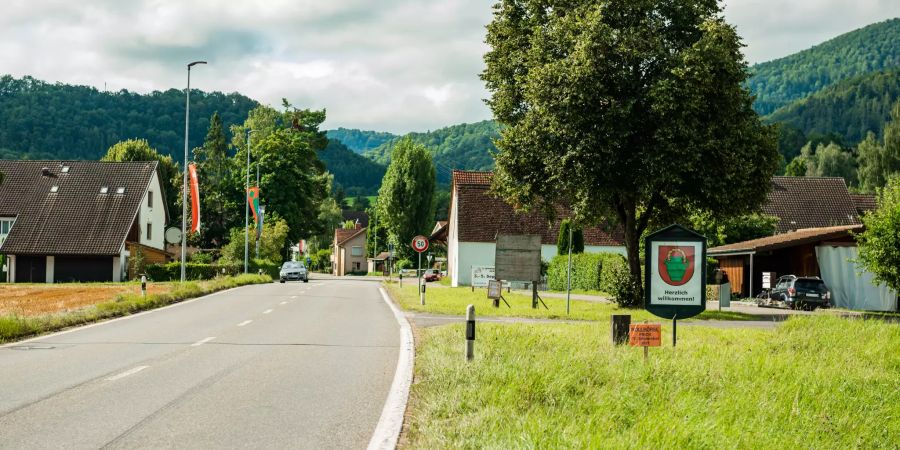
(15, 326)
(814, 382)
(453, 301)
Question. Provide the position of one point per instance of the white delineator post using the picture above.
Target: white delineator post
(470, 332)
(144, 286)
(421, 282)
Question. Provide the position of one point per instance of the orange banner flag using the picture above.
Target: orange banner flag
(195, 198)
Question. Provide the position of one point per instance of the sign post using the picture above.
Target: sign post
(675, 274)
(420, 244)
(645, 335)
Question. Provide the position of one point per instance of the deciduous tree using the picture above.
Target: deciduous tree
(879, 244)
(169, 171)
(630, 111)
(406, 197)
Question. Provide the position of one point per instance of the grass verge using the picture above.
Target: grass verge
(453, 301)
(16, 327)
(814, 382)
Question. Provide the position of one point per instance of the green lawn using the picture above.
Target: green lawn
(813, 382)
(441, 300)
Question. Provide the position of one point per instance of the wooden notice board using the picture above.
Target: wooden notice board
(645, 335)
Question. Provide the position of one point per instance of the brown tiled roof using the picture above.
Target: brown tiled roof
(440, 234)
(341, 235)
(381, 256)
(864, 202)
(789, 239)
(810, 202)
(482, 216)
(77, 219)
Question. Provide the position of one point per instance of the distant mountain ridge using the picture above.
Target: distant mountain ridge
(466, 146)
(779, 82)
(360, 141)
(59, 121)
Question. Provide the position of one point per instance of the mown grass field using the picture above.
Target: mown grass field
(78, 304)
(813, 382)
(37, 299)
(453, 301)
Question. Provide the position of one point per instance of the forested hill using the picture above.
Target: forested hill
(44, 120)
(356, 174)
(782, 81)
(849, 109)
(464, 146)
(360, 141)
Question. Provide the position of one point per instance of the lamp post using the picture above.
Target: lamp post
(247, 209)
(187, 120)
(262, 209)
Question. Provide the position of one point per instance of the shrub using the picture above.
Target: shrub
(625, 290)
(590, 271)
(198, 271)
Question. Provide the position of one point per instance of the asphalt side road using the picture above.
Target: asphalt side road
(297, 365)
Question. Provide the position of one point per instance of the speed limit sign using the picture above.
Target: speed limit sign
(420, 243)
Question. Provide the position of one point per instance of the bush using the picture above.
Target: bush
(590, 271)
(198, 271)
(625, 290)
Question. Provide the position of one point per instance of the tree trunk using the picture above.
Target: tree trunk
(628, 219)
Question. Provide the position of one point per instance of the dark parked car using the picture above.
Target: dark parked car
(432, 275)
(293, 270)
(795, 292)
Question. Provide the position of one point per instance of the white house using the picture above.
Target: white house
(79, 220)
(477, 217)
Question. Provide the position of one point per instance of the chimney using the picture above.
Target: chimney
(358, 225)
(46, 172)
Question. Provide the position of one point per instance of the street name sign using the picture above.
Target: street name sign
(675, 263)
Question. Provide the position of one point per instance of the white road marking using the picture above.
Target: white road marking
(267, 311)
(283, 303)
(202, 341)
(244, 323)
(127, 373)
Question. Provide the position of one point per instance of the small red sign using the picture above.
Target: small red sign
(420, 243)
(645, 335)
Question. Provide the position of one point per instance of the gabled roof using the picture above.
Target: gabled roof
(810, 202)
(76, 219)
(864, 202)
(482, 216)
(343, 235)
(383, 256)
(790, 239)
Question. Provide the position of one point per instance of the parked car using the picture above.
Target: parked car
(432, 275)
(791, 291)
(293, 270)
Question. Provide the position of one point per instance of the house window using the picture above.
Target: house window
(149, 231)
(356, 251)
(104, 189)
(120, 190)
(149, 199)
(5, 226)
(54, 189)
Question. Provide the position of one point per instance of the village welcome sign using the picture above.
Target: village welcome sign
(675, 259)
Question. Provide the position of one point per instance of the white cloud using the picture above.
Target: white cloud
(394, 65)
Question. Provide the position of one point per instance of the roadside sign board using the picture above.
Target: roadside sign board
(518, 257)
(495, 289)
(645, 335)
(481, 275)
(675, 259)
(420, 243)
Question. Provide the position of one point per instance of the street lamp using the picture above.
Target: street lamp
(187, 119)
(247, 209)
(262, 210)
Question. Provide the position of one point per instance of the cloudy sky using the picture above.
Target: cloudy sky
(392, 65)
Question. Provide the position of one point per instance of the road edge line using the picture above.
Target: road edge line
(387, 432)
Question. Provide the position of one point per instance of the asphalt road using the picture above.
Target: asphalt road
(270, 366)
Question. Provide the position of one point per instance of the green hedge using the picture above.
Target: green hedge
(198, 271)
(590, 271)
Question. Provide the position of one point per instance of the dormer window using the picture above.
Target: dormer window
(54, 189)
(104, 189)
(120, 190)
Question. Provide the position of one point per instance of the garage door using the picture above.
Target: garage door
(83, 269)
(31, 269)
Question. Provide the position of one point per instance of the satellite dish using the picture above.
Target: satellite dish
(173, 235)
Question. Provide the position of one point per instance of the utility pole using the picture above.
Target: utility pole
(247, 209)
(184, 186)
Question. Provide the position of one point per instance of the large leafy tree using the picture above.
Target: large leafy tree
(217, 199)
(406, 197)
(168, 170)
(879, 245)
(629, 111)
(293, 180)
(829, 161)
